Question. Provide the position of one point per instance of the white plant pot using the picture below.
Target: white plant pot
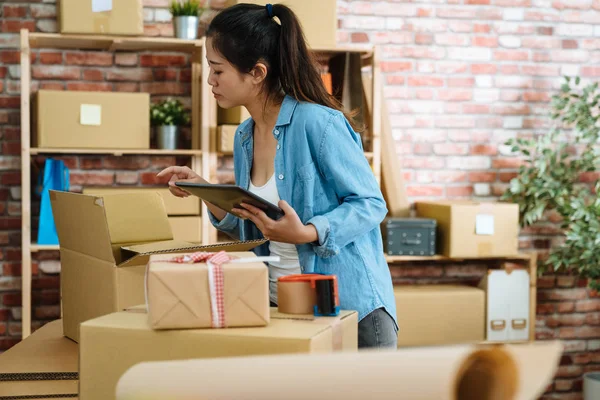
(591, 386)
(186, 27)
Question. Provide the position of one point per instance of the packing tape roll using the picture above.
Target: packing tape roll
(295, 297)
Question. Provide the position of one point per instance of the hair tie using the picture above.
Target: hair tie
(270, 10)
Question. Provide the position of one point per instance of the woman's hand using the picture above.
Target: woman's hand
(288, 229)
(180, 174)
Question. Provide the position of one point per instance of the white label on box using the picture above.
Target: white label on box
(484, 224)
(101, 5)
(90, 114)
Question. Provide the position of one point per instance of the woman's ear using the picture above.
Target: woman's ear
(259, 73)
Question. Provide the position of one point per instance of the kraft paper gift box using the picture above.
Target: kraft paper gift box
(183, 295)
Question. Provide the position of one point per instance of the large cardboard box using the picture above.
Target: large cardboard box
(44, 365)
(507, 305)
(174, 205)
(188, 229)
(226, 135)
(105, 17)
(439, 314)
(105, 244)
(470, 229)
(99, 120)
(111, 344)
(317, 17)
(232, 116)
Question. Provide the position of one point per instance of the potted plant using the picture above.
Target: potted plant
(186, 16)
(167, 117)
(550, 179)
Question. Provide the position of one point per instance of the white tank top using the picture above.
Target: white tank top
(288, 254)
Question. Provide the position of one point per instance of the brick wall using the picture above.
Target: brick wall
(461, 76)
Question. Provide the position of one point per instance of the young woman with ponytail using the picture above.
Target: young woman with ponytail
(301, 151)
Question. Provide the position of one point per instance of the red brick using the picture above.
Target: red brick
(359, 37)
(545, 30)
(46, 297)
(484, 68)
(416, 272)
(185, 75)
(4, 313)
(480, 2)
(482, 28)
(90, 163)
(485, 41)
(584, 332)
(93, 75)
(51, 58)
(15, 26)
(10, 223)
(562, 294)
(13, 11)
(499, 163)
(565, 281)
(484, 149)
(587, 305)
(166, 88)
(47, 312)
(396, 66)
(545, 308)
(46, 282)
(165, 74)
(55, 72)
(425, 81)
(534, 97)
(127, 87)
(455, 95)
(97, 178)
(10, 102)
(130, 162)
(511, 55)
(565, 320)
(10, 57)
(570, 44)
(413, 190)
(136, 74)
(568, 371)
(52, 86)
(127, 178)
(10, 178)
(423, 38)
(509, 69)
(3, 72)
(90, 87)
(160, 60)
(126, 59)
(423, 148)
(150, 178)
(89, 58)
(475, 109)
(163, 161)
(11, 299)
(545, 333)
(7, 343)
(460, 82)
(459, 191)
(395, 79)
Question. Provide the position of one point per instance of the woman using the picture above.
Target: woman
(300, 151)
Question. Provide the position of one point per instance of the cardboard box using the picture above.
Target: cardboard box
(469, 229)
(43, 365)
(113, 343)
(318, 19)
(105, 244)
(439, 314)
(474, 372)
(104, 17)
(188, 229)
(179, 295)
(99, 120)
(232, 116)
(507, 305)
(226, 134)
(174, 205)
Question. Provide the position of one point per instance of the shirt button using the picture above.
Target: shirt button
(278, 147)
(276, 132)
(280, 176)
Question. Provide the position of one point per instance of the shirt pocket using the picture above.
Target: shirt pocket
(307, 189)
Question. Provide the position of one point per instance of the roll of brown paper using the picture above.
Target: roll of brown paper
(295, 297)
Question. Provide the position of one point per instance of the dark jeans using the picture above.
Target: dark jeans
(377, 329)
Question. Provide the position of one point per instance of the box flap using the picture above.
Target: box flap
(92, 238)
(136, 217)
(132, 253)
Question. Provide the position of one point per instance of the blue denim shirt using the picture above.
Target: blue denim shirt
(322, 172)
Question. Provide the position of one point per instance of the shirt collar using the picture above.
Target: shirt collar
(288, 106)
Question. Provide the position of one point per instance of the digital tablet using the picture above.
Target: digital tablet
(228, 197)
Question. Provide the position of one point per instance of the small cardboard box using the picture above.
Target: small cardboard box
(102, 17)
(318, 19)
(188, 229)
(470, 229)
(507, 305)
(99, 120)
(439, 314)
(111, 344)
(105, 244)
(44, 365)
(226, 134)
(232, 116)
(174, 205)
(179, 295)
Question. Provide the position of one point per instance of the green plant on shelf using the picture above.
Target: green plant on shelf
(169, 112)
(186, 8)
(550, 179)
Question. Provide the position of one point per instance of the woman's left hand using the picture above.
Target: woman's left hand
(287, 229)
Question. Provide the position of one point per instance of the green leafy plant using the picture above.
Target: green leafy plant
(549, 179)
(186, 8)
(169, 112)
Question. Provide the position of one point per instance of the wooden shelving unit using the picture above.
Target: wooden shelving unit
(527, 259)
(203, 156)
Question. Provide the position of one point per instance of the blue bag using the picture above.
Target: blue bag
(56, 177)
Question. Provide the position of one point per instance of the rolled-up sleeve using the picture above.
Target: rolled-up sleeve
(342, 162)
(229, 224)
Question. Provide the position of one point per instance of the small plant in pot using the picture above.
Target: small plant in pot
(167, 117)
(186, 17)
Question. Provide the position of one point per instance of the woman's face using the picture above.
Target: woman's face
(230, 87)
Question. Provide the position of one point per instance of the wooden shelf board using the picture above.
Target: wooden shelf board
(112, 43)
(400, 259)
(365, 50)
(117, 152)
(41, 247)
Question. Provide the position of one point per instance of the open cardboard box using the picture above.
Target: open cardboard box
(105, 243)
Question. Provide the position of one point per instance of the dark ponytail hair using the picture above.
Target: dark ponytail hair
(246, 34)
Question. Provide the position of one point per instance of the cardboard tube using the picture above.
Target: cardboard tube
(295, 297)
